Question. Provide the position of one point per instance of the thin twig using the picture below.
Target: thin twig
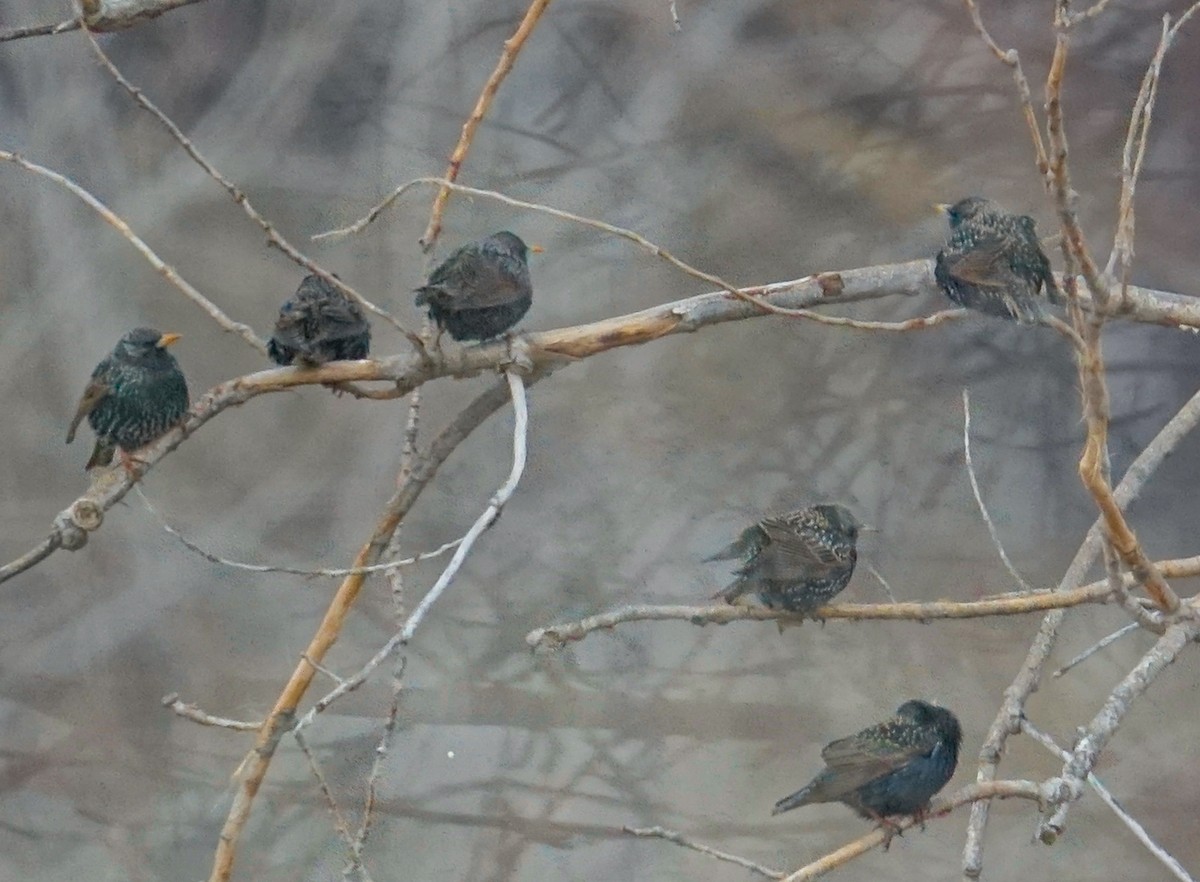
(1106, 796)
(1096, 647)
(1013, 60)
(680, 839)
(335, 811)
(987, 519)
(887, 589)
(103, 16)
(196, 715)
(166, 271)
(381, 752)
(274, 237)
(43, 30)
(389, 567)
(512, 48)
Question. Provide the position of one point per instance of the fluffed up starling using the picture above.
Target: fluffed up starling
(994, 263)
(891, 768)
(796, 561)
(482, 289)
(317, 325)
(135, 395)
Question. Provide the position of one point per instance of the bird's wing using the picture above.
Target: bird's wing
(500, 281)
(874, 752)
(339, 318)
(95, 392)
(471, 279)
(794, 550)
(984, 264)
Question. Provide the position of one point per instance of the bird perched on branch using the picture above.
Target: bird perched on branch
(317, 325)
(797, 561)
(135, 395)
(891, 768)
(482, 289)
(994, 263)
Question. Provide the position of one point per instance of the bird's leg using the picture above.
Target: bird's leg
(890, 828)
(518, 355)
(131, 463)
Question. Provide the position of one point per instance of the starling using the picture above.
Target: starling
(481, 290)
(994, 262)
(796, 561)
(319, 324)
(891, 768)
(135, 395)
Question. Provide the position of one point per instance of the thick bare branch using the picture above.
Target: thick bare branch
(1103, 792)
(282, 716)
(545, 349)
(940, 806)
(1028, 678)
(1104, 725)
(721, 614)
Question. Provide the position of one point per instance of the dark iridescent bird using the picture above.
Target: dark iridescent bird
(994, 263)
(892, 768)
(482, 289)
(797, 561)
(317, 325)
(135, 395)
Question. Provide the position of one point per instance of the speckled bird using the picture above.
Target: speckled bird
(482, 289)
(135, 395)
(891, 768)
(797, 561)
(994, 263)
(319, 324)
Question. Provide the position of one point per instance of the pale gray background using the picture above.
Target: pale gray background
(765, 141)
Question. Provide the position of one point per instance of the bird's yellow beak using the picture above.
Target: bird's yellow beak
(166, 340)
(867, 528)
(941, 207)
(536, 249)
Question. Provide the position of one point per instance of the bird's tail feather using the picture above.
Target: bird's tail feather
(797, 799)
(735, 590)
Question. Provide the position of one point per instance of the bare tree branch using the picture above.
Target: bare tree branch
(102, 16)
(112, 219)
(282, 716)
(987, 519)
(1104, 725)
(1103, 792)
(680, 839)
(941, 806)
(1026, 682)
(1096, 647)
(512, 48)
(196, 715)
(274, 237)
(545, 349)
(555, 636)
